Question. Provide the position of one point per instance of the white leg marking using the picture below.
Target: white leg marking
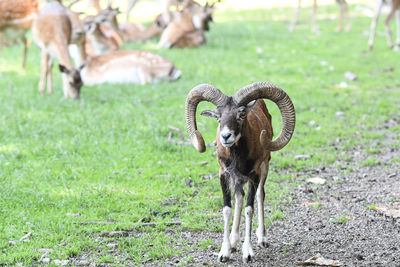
(373, 24)
(261, 237)
(235, 237)
(225, 252)
(248, 254)
(398, 28)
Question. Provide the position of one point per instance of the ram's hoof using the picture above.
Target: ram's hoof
(248, 259)
(223, 258)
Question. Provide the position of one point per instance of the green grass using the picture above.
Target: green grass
(107, 156)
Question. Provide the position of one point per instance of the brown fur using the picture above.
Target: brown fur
(257, 120)
(395, 6)
(52, 32)
(17, 15)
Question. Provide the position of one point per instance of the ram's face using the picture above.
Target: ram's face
(230, 118)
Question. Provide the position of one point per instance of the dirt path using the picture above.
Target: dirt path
(353, 218)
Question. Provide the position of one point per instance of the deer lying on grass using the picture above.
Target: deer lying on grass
(139, 33)
(187, 30)
(16, 19)
(244, 144)
(52, 32)
(139, 67)
(395, 10)
(344, 15)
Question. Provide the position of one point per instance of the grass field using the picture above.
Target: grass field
(108, 158)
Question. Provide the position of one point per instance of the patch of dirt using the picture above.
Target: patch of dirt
(353, 218)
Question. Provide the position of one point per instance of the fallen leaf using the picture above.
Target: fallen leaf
(389, 212)
(320, 261)
(316, 180)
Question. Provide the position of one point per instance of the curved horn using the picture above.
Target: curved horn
(202, 92)
(281, 99)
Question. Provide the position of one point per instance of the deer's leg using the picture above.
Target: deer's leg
(388, 30)
(373, 24)
(25, 51)
(1, 46)
(296, 17)
(344, 15)
(50, 75)
(398, 28)
(225, 252)
(247, 250)
(234, 237)
(261, 237)
(315, 27)
(131, 4)
(43, 70)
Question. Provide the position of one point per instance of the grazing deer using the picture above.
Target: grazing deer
(395, 10)
(16, 19)
(52, 31)
(188, 29)
(344, 15)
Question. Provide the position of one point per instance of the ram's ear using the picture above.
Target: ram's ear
(210, 114)
(250, 105)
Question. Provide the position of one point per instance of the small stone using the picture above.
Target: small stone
(312, 123)
(339, 114)
(73, 214)
(302, 157)
(350, 76)
(11, 243)
(316, 180)
(392, 175)
(61, 262)
(46, 260)
(259, 50)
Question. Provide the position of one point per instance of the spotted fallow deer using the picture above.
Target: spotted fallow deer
(16, 18)
(394, 11)
(52, 32)
(187, 30)
(344, 15)
(124, 66)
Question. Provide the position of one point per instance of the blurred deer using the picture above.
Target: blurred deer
(52, 32)
(394, 10)
(344, 15)
(187, 30)
(15, 20)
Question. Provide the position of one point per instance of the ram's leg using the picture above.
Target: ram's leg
(234, 237)
(296, 16)
(248, 254)
(373, 24)
(225, 252)
(261, 237)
